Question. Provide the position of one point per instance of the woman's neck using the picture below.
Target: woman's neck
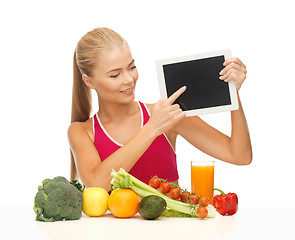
(116, 112)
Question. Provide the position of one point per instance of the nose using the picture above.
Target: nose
(128, 78)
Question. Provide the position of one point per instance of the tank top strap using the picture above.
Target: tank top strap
(145, 112)
(97, 130)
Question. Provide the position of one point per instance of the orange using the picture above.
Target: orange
(123, 203)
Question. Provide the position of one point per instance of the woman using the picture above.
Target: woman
(131, 135)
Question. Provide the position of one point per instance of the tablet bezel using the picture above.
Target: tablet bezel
(232, 87)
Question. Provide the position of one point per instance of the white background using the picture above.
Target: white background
(38, 39)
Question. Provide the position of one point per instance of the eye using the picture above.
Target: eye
(115, 76)
(133, 67)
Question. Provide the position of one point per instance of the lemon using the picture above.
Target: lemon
(95, 201)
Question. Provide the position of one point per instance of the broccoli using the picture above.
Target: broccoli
(78, 185)
(58, 199)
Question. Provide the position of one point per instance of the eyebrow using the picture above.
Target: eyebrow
(117, 69)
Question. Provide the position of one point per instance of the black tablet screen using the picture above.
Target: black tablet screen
(201, 77)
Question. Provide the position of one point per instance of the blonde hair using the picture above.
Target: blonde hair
(92, 45)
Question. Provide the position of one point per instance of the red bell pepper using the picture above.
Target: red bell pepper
(225, 204)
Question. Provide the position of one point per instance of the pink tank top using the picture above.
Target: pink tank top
(159, 159)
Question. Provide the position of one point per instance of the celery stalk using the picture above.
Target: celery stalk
(122, 179)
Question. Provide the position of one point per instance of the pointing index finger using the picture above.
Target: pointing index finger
(176, 94)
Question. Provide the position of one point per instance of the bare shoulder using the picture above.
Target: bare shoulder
(78, 129)
(74, 127)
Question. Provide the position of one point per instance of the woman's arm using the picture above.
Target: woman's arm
(94, 172)
(240, 142)
(235, 149)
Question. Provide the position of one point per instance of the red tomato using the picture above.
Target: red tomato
(165, 187)
(184, 197)
(204, 201)
(202, 212)
(155, 182)
(194, 198)
(175, 193)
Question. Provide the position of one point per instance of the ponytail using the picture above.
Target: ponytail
(81, 106)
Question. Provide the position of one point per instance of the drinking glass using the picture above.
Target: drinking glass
(202, 178)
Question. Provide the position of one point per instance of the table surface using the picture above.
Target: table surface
(18, 222)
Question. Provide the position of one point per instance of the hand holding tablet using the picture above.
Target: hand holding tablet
(234, 70)
(200, 73)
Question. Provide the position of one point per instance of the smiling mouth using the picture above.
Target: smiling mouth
(129, 90)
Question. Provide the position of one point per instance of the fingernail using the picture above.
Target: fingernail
(221, 72)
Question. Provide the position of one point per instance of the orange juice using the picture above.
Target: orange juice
(202, 178)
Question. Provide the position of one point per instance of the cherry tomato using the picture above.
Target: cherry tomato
(175, 193)
(204, 201)
(194, 198)
(202, 212)
(184, 197)
(165, 187)
(154, 182)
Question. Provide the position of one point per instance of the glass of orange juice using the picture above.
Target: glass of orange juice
(202, 178)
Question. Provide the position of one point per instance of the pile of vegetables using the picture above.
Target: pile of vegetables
(190, 206)
(58, 199)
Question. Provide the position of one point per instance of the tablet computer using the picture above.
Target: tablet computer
(205, 92)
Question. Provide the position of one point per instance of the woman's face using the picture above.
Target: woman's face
(115, 75)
